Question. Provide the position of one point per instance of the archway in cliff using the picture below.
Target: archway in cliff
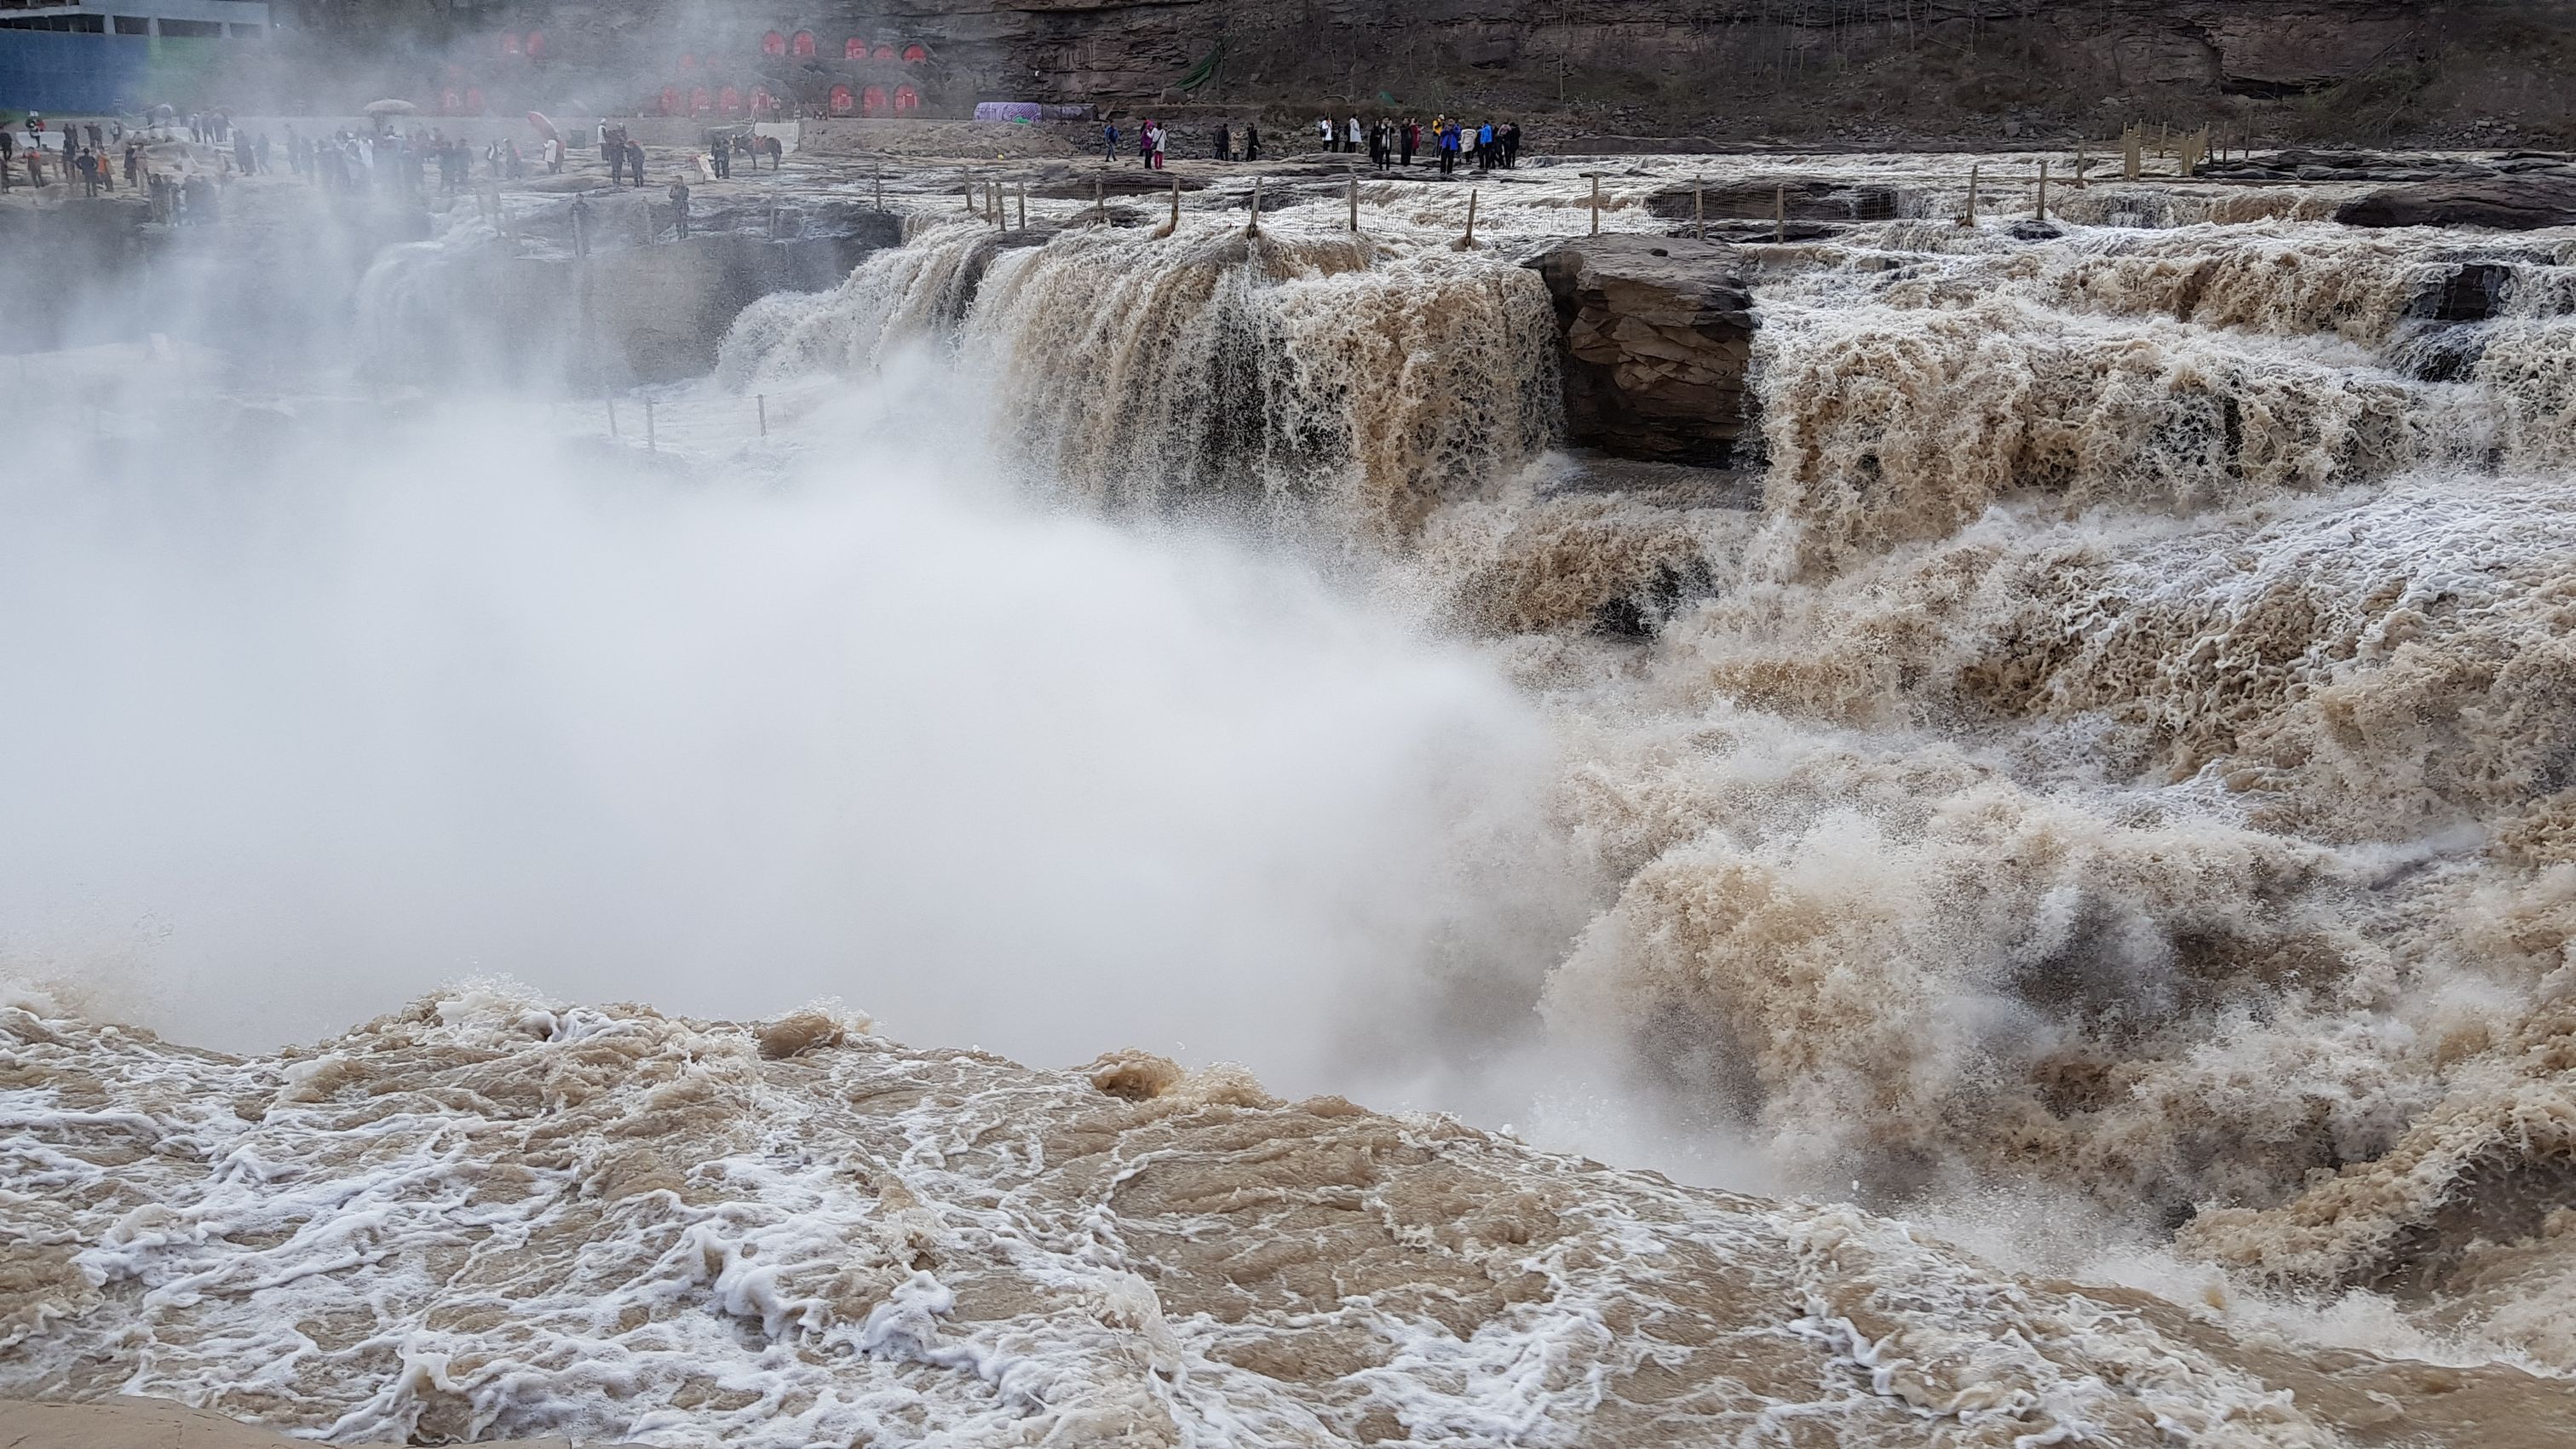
(872, 101)
(840, 100)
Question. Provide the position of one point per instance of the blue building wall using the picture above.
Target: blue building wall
(52, 70)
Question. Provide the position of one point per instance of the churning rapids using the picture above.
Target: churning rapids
(2091, 801)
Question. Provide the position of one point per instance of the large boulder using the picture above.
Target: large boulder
(2517, 203)
(1657, 336)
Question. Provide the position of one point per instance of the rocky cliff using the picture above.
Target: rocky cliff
(1605, 73)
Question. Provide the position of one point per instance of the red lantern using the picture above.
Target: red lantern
(536, 44)
(729, 100)
(773, 44)
(885, 52)
(906, 99)
(914, 55)
(804, 45)
(840, 100)
(872, 101)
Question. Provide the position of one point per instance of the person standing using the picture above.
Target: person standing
(680, 210)
(635, 162)
(1224, 142)
(1109, 143)
(87, 164)
(581, 226)
(8, 157)
(1351, 134)
(1324, 128)
(1162, 135)
(1407, 136)
(133, 163)
(1252, 140)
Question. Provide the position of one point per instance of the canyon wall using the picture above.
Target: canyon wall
(1608, 71)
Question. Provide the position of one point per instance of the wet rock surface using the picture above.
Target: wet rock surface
(1657, 334)
(1800, 201)
(2503, 204)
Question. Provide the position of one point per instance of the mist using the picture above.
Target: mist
(310, 719)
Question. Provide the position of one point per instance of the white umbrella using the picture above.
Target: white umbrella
(380, 108)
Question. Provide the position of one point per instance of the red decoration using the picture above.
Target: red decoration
(803, 45)
(474, 100)
(872, 101)
(510, 43)
(688, 60)
(840, 100)
(915, 54)
(536, 44)
(885, 52)
(698, 101)
(670, 100)
(729, 100)
(906, 99)
(449, 103)
(760, 100)
(854, 49)
(773, 44)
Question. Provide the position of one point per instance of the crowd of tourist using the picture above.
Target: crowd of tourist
(1484, 146)
(1389, 142)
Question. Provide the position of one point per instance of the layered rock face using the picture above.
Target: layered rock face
(1618, 70)
(1657, 334)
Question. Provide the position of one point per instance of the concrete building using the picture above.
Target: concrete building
(104, 56)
